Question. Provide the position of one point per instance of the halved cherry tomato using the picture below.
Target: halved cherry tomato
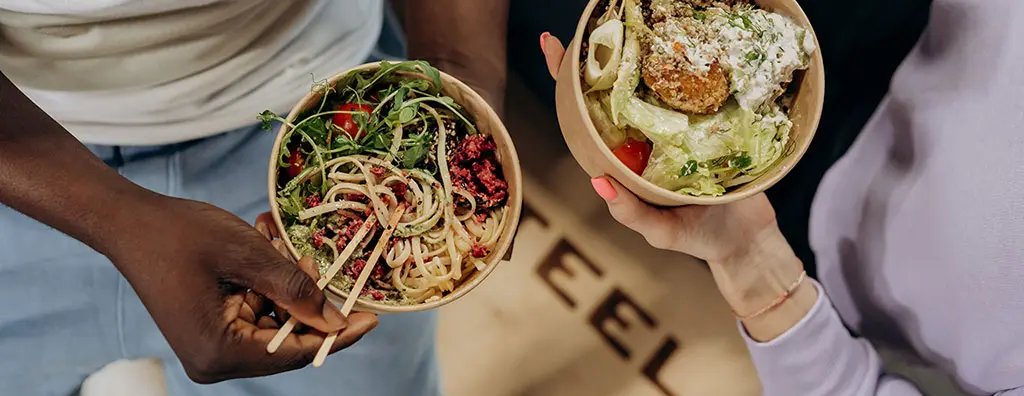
(634, 154)
(345, 121)
(295, 163)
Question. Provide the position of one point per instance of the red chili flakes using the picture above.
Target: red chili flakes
(313, 201)
(481, 217)
(318, 238)
(376, 294)
(478, 251)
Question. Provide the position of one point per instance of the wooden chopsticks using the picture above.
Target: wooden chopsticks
(357, 288)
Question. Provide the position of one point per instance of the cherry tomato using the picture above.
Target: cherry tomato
(295, 163)
(634, 154)
(345, 121)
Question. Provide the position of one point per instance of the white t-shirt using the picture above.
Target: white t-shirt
(144, 72)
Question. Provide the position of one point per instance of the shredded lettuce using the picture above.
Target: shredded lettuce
(611, 134)
(662, 126)
(629, 68)
(700, 155)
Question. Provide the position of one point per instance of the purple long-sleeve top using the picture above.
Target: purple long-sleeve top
(919, 229)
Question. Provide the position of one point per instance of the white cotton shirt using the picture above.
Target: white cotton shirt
(147, 72)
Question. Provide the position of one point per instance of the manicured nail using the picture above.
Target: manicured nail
(544, 41)
(604, 188)
(334, 317)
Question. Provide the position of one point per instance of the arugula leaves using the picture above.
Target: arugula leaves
(398, 94)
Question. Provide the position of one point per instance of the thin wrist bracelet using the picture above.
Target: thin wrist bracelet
(778, 300)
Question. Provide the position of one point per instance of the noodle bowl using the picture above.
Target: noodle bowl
(383, 136)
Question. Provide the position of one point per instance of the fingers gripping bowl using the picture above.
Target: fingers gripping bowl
(691, 101)
(387, 135)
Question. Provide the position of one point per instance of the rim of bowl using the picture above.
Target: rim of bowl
(514, 201)
(787, 162)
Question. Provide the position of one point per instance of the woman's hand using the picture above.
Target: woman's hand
(751, 261)
(211, 282)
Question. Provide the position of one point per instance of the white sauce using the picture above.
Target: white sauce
(759, 50)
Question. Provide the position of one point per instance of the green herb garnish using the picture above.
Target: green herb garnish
(689, 168)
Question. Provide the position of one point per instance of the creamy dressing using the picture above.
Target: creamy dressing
(761, 50)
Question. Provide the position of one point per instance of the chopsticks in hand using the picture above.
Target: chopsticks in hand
(357, 288)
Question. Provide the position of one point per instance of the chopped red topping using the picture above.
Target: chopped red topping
(378, 171)
(357, 198)
(400, 189)
(348, 232)
(478, 251)
(376, 294)
(318, 238)
(496, 188)
(473, 147)
(481, 217)
(313, 201)
(378, 272)
(474, 167)
(354, 269)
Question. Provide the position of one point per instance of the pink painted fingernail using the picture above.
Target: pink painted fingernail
(604, 188)
(544, 41)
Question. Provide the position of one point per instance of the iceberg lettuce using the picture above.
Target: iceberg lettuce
(701, 155)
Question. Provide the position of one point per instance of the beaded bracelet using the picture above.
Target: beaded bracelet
(775, 303)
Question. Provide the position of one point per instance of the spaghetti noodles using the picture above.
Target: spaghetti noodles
(380, 139)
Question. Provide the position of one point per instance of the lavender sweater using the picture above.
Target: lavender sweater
(919, 229)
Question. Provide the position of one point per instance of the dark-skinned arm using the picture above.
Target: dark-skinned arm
(465, 38)
(208, 278)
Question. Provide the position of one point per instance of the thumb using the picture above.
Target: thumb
(553, 52)
(295, 290)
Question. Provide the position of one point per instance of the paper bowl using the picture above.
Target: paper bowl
(487, 122)
(597, 159)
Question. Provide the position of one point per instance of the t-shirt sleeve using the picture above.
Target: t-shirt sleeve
(818, 356)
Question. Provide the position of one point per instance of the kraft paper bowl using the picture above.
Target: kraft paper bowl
(487, 122)
(597, 159)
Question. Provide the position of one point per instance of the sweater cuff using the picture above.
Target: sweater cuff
(818, 352)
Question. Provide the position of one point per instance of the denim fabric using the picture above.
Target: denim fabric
(69, 312)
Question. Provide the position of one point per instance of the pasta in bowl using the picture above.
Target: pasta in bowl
(404, 157)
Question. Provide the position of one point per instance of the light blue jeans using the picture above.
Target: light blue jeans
(67, 312)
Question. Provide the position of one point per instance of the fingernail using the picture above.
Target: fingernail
(334, 317)
(544, 41)
(604, 188)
